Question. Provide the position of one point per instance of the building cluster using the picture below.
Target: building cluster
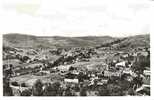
(118, 73)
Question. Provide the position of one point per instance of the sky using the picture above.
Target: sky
(116, 18)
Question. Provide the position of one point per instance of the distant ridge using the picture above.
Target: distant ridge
(30, 41)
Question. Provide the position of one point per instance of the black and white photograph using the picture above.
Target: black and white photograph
(76, 66)
(70, 48)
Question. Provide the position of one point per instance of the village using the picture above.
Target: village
(76, 48)
(76, 72)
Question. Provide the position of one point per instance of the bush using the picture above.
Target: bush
(76, 87)
(37, 88)
(131, 91)
(15, 83)
(69, 92)
(103, 91)
(27, 92)
(48, 90)
(53, 89)
(71, 68)
(83, 91)
(114, 90)
(23, 85)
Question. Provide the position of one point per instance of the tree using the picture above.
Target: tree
(53, 89)
(23, 84)
(114, 90)
(137, 82)
(49, 90)
(57, 87)
(76, 87)
(7, 91)
(27, 92)
(103, 91)
(140, 64)
(131, 91)
(69, 91)
(124, 84)
(83, 91)
(71, 68)
(80, 76)
(37, 88)
(25, 58)
(15, 83)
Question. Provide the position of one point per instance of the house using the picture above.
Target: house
(133, 74)
(127, 71)
(146, 78)
(12, 52)
(121, 64)
(67, 80)
(64, 68)
(146, 72)
(143, 53)
(102, 81)
(112, 73)
(125, 55)
(128, 77)
(75, 72)
(92, 81)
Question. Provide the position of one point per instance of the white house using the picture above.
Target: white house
(71, 80)
(123, 64)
